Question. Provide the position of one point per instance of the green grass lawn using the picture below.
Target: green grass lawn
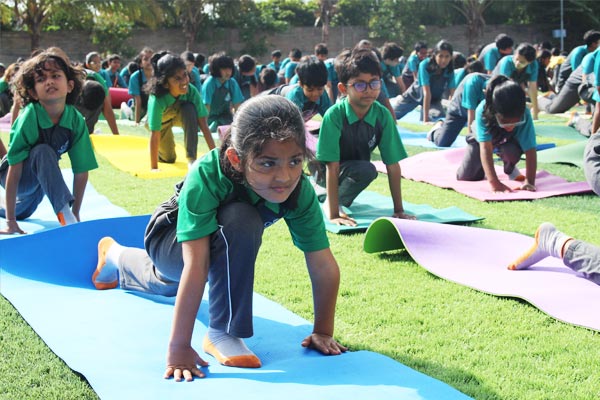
(485, 346)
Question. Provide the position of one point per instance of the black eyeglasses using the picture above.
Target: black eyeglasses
(360, 86)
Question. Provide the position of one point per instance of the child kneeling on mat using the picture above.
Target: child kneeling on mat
(503, 125)
(211, 230)
(47, 127)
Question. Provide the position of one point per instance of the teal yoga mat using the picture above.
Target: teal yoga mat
(569, 154)
(117, 339)
(369, 206)
(557, 131)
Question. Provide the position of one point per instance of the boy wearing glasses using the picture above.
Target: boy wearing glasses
(350, 131)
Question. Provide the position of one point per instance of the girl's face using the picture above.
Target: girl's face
(520, 62)
(95, 64)
(274, 173)
(179, 83)
(442, 58)
(51, 85)
(145, 60)
(225, 74)
(509, 123)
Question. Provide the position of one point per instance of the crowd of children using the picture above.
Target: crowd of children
(211, 229)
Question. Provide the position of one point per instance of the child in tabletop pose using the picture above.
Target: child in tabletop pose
(211, 230)
(174, 101)
(503, 126)
(47, 127)
(350, 131)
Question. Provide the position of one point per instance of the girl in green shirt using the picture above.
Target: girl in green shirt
(211, 230)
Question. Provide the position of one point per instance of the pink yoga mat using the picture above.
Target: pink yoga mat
(5, 123)
(478, 258)
(438, 168)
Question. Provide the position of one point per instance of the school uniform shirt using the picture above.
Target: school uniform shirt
(596, 95)
(345, 137)
(588, 62)
(195, 79)
(296, 96)
(469, 94)
(206, 188)
(212, 84)
(524, 134)
(134, 83)
(3, 85)
(126, 75)
(425, 79)
(70, 135)
(506, 66)
(95, 76)
(113, 79)
(274, 66)
(390, 70)
(490, 56)
(290, 69)
(576, 55)
(245, 81)
(158, 105)
(459, 75)
(412, 65)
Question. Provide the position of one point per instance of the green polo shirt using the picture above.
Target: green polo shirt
(25, 134)
(336, 140)
(158, 105)
(206, 188)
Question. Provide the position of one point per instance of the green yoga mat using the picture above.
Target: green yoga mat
(558, 131)
(369, 206)
(569, 154)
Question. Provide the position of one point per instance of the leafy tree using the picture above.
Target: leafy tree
(472, 11)
(352, 13)
(32, 15)
(292, 12)
(394, 20)
(191, 17)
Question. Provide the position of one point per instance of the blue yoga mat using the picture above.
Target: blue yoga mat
(411, 138)
(369, 206)
(94, 206)
(117, 339)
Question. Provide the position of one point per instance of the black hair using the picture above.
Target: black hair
(502, 96)
(295, 54)
(53, 57)
(459, 60)
(113, 57)
(258, 120)
(474, 66)
(591, 37)
(321, 49)
(391, 51)
(419, 46)
(92, 94)
(526, 50)
(442, 45)
(188, 56)
(246, 63)
(276, 53)
(132, 67)
(503, 41)
(165, 66)
(545, 53)
(312, 72)
(359, 61)
(339, 62)
(199, 60)
(219, 61)
(267, 78)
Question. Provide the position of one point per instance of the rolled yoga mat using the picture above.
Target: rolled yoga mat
(478, 258)
(118, 96)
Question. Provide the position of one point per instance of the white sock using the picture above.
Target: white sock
(514, 174)
(227, 344)
(68, 215)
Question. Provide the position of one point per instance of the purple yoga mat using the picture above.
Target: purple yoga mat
(438, 168)
(478, 258)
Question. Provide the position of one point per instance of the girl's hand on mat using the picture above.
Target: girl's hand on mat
(528, 186)
(499, 187)
(343, 220)
(182, 363)
(403, 215)
(11, 227)
(323, 343)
